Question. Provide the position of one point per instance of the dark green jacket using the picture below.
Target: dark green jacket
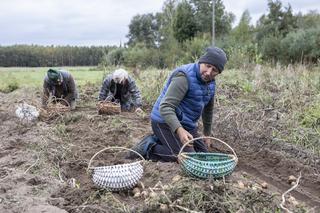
(67, 90)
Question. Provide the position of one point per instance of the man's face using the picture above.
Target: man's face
(117, 80)
(120, 81)
(59, 81)
(208, 72)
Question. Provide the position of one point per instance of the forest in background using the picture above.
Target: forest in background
(181, 31)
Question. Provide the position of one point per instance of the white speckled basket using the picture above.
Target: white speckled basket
(117, 177)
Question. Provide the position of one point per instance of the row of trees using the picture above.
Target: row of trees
(178, 34)
(182, 20)
(39, 56)
(183, 29)
(280, 35)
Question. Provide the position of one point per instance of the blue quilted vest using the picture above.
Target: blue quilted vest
(198, 95)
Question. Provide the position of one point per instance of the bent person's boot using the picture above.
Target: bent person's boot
(151, 144)
(143, 146)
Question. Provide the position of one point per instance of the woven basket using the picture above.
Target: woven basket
(117, 177)
(54, 108)
(108, 108)
(58, 105)
(207, 165)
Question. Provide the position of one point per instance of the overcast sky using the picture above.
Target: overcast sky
(96, 22)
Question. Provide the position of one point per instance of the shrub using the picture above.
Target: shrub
(141, 56)
(10, 87)
(114, 57)
(194, 48)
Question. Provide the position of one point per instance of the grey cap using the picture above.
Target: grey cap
(214, 56)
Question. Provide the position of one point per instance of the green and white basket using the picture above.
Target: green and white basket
(117, 177)
(206, 165)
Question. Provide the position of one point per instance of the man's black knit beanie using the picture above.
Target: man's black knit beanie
(214, 56)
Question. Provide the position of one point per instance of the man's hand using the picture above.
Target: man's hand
(184, 135)
(139, 110)
(207, 141)
(109, 98)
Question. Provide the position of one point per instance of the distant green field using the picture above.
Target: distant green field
(33, 77)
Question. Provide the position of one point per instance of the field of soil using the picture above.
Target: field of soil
(43, 164)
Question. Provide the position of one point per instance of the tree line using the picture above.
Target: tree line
(181, 31)
(51, 56)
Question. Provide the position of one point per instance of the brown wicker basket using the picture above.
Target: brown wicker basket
(55, 106)
(58, 105)
(108, 108)
(58, 108)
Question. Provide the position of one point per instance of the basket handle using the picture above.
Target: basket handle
(108, 100)
(114, 147)
(217, 139)
(54, 98)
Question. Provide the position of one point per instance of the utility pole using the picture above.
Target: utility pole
(213, 21)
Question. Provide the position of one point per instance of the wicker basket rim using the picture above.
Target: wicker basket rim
(207, 153)
(225, 169)
(53, 108)
(116, 165)
(108, 103)
(184, 156)
(54, 98)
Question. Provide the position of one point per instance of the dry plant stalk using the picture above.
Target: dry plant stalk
(284, 194)
(172, 205)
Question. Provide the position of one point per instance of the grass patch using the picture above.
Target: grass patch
(310, 118)
(283, 102)
(151, 83)
(9, 86)
(33, 77)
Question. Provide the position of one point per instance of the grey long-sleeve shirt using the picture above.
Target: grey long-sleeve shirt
(174, 95)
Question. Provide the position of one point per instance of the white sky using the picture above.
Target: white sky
(96, 22)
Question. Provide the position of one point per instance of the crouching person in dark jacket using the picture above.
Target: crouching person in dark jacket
(59, 84)
(120, 87)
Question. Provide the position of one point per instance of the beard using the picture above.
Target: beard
(206, 78)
